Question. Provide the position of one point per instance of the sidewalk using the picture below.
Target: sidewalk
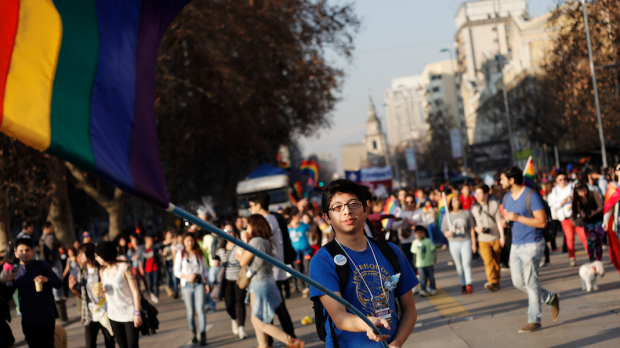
(449, 319)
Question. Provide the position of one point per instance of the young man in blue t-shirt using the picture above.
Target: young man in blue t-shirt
(345, 209)
(528, 245)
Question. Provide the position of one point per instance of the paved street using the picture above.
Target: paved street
(447, 320)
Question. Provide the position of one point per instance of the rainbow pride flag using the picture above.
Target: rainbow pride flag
(311, 170)
(442, 209)
(391, 207)
(77, 80)
(529, 175)
(585, 160)
(612, 197)
(299, 190)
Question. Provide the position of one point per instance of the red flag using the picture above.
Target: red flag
(614, 244)
(612, 196)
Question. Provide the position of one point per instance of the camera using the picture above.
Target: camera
(486, 230)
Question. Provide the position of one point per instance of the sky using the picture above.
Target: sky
(397, 38)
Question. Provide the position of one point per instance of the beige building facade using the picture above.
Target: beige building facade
(373, 151)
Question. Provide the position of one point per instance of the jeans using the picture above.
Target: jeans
(125, 333)
(461, 254)
(152, 281)
(303, 253)
(524, 264)
(172, 280)
(194, 296)
(92, 330)
(406, 249)
(427, 273)
(213, 270)
(57, 268)
(40, 335)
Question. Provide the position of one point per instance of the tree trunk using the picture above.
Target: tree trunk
(115, 213)
(5, 226)
(60, 213)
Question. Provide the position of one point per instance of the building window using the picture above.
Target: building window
(374, 144)
(435, 89)
(435, 77)
(438, 102)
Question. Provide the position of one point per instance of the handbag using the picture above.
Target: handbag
(244, 281)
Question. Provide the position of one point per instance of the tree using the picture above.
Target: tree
(60, 213)
(235, 80)
(113, 205)
(438, 150)
(24, 186)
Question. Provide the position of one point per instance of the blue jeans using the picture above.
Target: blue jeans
(172, 280)
(193, 296)
(301, 253)
(152, 281)
(461, 254)
(427, 273)
(212, 275)
(524, 264)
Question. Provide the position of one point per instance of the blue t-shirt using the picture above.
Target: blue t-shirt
(521, 233)
(298, 236)
(323, 270)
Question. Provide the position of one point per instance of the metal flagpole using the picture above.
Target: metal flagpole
(207, 226)
(598, 108)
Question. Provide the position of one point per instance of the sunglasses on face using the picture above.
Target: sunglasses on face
(617, 168)
(352, 205)
(409, 202)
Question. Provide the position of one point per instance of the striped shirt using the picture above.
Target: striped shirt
(227, 257)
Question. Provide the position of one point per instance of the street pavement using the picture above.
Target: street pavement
(448, 319)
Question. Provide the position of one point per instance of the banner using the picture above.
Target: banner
(412, 165)
(375, 177)
(353, 175)
(455, 142)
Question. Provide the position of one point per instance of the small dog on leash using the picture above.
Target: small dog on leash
(588, 274)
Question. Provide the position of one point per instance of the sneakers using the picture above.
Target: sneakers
(242, 333)
(433, 292)
(235, 327)
(469, 289)
(463, 290)
(296, 343)
(154, 299)
(544, 264)
(572, 263)
(491, 287)
(305, 292)
(555, 307)
(530, 327)
(423, 293)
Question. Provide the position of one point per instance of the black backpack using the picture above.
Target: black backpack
(320, 314)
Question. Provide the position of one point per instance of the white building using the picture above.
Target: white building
(404, 104)
(441, 90)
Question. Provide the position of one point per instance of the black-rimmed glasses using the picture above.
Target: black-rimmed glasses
(352, 205)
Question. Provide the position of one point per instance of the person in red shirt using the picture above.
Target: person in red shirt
(467, 199)
(150, 262)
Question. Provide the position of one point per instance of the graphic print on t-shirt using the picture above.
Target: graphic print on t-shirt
(371, 276)
(459, 227)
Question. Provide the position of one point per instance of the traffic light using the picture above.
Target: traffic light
(321, 184)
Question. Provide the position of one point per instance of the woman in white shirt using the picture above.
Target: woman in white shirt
(561, 203)
(122, 295)
(190, 267)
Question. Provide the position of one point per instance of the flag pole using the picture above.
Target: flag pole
(207, 226)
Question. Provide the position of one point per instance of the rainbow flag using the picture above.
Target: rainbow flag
(529, 175)
(612, 197)
(299, 190)
(311, 170)
(77, 80)
(292, 197)
(391, 207)
(584, 160)
(442, 209)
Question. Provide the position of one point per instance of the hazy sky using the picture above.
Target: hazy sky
(398, 38)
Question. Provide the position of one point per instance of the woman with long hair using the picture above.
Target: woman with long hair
(83, 287)
(265, 297)
(588, 212)
(190, 267)
(458, 226)
(122, 295)
(233, 295)
(121, 241)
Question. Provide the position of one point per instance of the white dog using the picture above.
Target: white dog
(588, 273)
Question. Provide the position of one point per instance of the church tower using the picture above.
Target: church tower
(375, 139)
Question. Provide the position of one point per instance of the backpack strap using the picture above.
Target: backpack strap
(388, 252)
(342, 270)
(528, 201)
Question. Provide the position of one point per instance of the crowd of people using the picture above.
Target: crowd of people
(344, 246)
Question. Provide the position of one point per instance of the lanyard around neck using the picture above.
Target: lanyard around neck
(360, 273)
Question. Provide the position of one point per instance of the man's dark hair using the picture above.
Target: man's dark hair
(421, 229)
(514, 172)
(341, 186)
(26, 224)
(48, 224)
(561, 172)
(292, 211)
(24, 241)
(261, 198)
(368, 196)
(483, 187)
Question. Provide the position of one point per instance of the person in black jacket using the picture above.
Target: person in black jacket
(5, 314)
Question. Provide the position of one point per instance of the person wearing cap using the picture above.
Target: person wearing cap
(38, 308)
(122, 295)
(86, 237)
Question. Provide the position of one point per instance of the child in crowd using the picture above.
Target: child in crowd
(426, 256)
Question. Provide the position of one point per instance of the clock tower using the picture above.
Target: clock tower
(375, 139)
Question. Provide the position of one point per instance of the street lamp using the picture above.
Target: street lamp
(598, 109)
(461, 122)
